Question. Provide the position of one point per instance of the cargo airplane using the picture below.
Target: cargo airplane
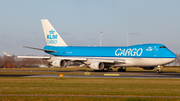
(101, 58)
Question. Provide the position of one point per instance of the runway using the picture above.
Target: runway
(117, 75)
(102, 76)
(92, 74)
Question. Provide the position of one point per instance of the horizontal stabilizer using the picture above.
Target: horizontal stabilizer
(40, 57)
(7, 54)
(40, 49)
(35, 57)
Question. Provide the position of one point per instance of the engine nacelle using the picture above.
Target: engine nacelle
(97, 65)
(148, 68)
(59, 63)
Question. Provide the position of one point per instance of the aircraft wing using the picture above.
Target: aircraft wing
(41, 57)
(82, 59)
(48, 57)
(108, 60)
(40, 49)
(75, 59)
(113, 60)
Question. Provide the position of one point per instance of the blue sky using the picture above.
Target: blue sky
(80, 21)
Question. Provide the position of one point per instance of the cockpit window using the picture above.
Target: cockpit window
(162, 47)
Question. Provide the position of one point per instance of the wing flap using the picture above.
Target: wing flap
(72, 58)
(111, 60)
(78, 59)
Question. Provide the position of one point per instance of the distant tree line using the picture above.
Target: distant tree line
(13, 62)
(177, 60)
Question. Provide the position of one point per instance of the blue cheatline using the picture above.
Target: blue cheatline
(136, 51)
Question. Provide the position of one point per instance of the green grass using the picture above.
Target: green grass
(12, 98)
(86, 86)
(90, 86)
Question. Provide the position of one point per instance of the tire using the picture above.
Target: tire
(109, 70)
(119, 70)
(159, 71)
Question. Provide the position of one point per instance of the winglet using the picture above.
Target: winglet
(7, 54)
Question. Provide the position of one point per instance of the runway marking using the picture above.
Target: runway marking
(91, 96)
(111, 74)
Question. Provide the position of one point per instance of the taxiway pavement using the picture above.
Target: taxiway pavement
(128, 74)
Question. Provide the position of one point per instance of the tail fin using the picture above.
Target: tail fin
(51, 35)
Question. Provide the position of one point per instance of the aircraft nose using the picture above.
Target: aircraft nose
(169, 54)
(173, 55)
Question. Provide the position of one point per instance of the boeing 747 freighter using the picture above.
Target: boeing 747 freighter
(146, 56)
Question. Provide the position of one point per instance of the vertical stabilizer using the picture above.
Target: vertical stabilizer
(51, 35)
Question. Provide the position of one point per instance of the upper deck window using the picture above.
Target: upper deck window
(162, 47)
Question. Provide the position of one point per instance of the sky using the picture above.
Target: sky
(79, 23)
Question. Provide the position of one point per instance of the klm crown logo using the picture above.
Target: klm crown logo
(52, 38)
(51, 31)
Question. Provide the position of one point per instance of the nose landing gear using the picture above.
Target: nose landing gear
(159, 69)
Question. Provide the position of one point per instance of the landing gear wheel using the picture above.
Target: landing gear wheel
(158, 71)
(108, 70)
(124, 70)
(121, 70)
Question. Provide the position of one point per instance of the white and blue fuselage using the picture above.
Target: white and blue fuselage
(145, 55)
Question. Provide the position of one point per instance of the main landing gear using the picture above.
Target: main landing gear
(108, 69)
(159, 69)
(121, 69)
(104, 70)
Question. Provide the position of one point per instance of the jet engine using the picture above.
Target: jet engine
(59, 63)
(148, 68)
(97, 65)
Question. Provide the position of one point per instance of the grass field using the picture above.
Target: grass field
(90, 86)
(44, 98)
(87, 86)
